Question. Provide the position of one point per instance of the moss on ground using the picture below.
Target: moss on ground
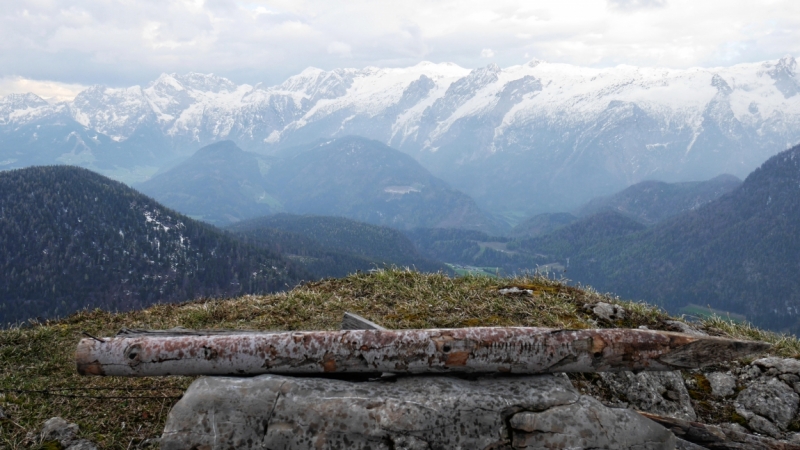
(37, 369)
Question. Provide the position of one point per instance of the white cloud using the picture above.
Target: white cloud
(121, 43)
(487, 53)
(339, 48)
(637, 4)
(48, 90)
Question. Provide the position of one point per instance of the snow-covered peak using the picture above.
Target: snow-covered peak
(22, 101)
(166, 81)
(422, 103)
(205, 82)
(23, 108)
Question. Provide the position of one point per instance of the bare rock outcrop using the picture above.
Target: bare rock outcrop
(59, 430)
(526, 412)
(662, 393)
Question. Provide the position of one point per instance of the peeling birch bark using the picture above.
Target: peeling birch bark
(515, 350)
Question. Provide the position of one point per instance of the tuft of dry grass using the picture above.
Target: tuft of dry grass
(37, 369)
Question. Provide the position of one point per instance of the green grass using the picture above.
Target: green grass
(704, 312)
(462, 270)
(37, 369)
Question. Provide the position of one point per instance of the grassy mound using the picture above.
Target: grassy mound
(37, 369)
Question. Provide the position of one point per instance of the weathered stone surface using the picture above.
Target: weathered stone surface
(782, 365)
(680, 444)
(773, 400)
(764, 426)
(82, 444)
(722, 384)
(65, 433)
(607, 311)
(662, 393)
(58, 429)
(578, 425)
(529, 412)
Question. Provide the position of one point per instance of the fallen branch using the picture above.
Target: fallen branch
(465, 350)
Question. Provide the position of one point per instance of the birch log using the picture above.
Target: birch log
(464, 350)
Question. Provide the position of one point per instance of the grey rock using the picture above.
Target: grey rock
(578, 425)
(789, 378)
(66, 434)
(751, 372)
(722, 384)
(58, 429)
(772, 400)
(763, 426)
(608, 312)
(685, 328)
(782, 365)
(533, 412)
(792, 380)
(733, 428)
(662, 393)
(2, 414)
(82, 444)
(680, 444)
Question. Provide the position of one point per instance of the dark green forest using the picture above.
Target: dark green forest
(739, 253)
(72, 239)
(650, 202)
(333, 246)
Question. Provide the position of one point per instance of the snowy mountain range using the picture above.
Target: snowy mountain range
(525, 139)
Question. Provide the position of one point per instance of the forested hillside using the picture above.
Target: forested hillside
(352, 177)
(739, 253)
(333, 246)
(549, 251)
(220, 184)
(72, 239)
(368, 181)
(541, 224)
(651, 202)
(583, 234)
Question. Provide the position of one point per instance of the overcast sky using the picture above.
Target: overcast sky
(54, 47)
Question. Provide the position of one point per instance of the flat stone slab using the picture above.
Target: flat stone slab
(427, 412)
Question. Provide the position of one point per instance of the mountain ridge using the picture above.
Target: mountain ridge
(74, 239)
(738, 253)
(352, 177)
(539, 127)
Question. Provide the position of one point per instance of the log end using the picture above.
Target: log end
(708, 351)
(83, 359)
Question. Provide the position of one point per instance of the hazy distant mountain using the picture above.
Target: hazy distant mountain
(219, 184)
(532, 138)
(541, 224)
(72, 239)
(365, 180)
(334, 246)
(351, 177)
(653, 201)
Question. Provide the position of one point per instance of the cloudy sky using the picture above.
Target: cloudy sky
(54, 47)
